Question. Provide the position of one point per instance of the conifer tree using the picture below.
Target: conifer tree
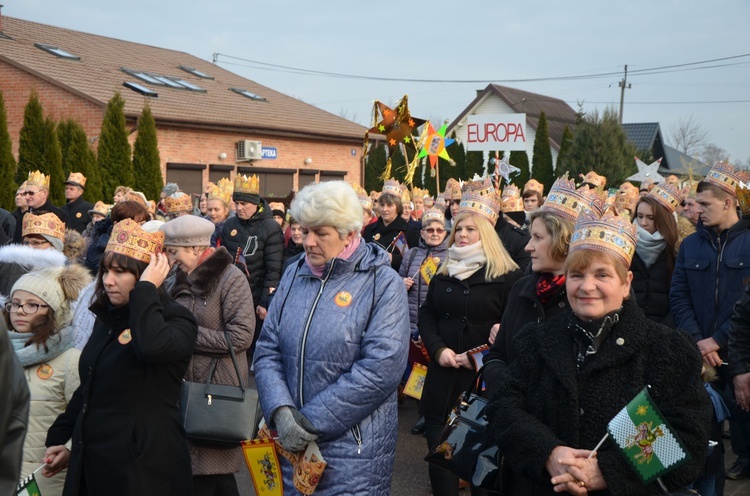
(520, 159)
(77, 156)
(53, 163)
(563, 156)
(146, 161)
(374, 167)
(30, 149)
(542, 170)
(114, 155)
(474, 165)
(7, 162)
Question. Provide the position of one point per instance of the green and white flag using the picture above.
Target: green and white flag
(28, 487)
(646, 439)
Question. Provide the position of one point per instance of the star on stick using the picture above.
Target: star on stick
(435, 144)
(647, 172)
(503, 168)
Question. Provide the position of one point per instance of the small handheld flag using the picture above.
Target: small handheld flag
(28, 487)
(399, 243)
(415, 383)
(429, 268)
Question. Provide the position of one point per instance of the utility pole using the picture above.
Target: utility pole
(623, 84)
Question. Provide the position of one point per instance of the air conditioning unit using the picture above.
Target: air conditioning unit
(249, 150)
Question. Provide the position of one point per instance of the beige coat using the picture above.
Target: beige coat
(218, 295)
(51, 384)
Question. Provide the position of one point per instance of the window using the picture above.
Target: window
(4, 36)
(142, 76)
(159, 80)
(58, 52)
(188, 85)
(247, 94)
(196, 72)
(140, 89)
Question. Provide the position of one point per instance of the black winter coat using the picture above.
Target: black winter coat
(457, 315)
(514, 240)
(78, 214)
(544, 402)
(524, 307)
(651, 288)
(379, 233)
(261, 242)
(124, 419)
(739, 336)
(14, 415)
(99, 239)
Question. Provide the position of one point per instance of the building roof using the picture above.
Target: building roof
(97, 72)
(682, 164)
(647, 136)
(642, 134)
(559, 114)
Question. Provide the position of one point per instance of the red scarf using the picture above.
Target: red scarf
(549, 285)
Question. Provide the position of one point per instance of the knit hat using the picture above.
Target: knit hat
(188, 230)
(56, 287)
(170, 189)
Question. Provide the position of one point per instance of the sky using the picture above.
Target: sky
(479, 41)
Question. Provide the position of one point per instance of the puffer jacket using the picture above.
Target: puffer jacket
(709, 276)
(342, 368)
(412, 262)
(218, 296)
(261, 243)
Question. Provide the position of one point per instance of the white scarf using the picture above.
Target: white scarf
(649, 246)
(463, 261)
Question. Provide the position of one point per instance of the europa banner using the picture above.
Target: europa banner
(503, 132)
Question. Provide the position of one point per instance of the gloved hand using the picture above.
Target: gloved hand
(295, 431)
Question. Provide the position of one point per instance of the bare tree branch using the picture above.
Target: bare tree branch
(689, 136)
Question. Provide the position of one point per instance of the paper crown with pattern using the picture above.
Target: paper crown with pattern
(248, 185)
(672, 179)
(534, 185)
(433, 215)
(592, 177)
(626, 199)
(479, 197)
(36, 178)
(222, 191)
(511, 200)
(743, 198)
(46, 224)
(129, 239)
(568, 202)
(76, 179)
(178, 202)
(609, 233)
(511, 191)
(405, 196)
(429, 201)
(419, 193)
(452, 190)
(362, 196)
(724, 176)
(668, 195)
(393, 187)
(100, 208)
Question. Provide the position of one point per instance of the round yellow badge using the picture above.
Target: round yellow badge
(343, 299)
(125, 337)
(376, 237)
(45, 371)
(233, 233)
(78, 215)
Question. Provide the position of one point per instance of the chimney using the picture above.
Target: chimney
(1, 18)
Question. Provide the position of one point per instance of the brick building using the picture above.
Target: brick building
(211, 123)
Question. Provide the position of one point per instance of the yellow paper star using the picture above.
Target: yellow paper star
(642, 410)
(381, 128)
(407, 139)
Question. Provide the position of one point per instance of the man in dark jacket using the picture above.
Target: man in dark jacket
(712, 267)
(76, 208)
(514, 240)
(37, 198)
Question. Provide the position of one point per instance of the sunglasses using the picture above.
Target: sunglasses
(29, 193)
(433, 230)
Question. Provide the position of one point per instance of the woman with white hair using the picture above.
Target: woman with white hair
(333, 347)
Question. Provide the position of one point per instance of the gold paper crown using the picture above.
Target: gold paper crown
(178, 202)
(673, 180)
(724, 176)
(277, 206)
(608, 233)
(38, 179)
(101, 208)
(479, 197)
(48, 224)
(249, 185)
(743, 197)
(393, 187)
(365, 201)
(511, 191)
(567, 201)
(593, 178)
(77, 179)
(428, 201)
(511, 204)
(405, 196)
(129, 239)
(534, 185)
(668, 195)
(452, 190)
(626, 186)
(137, 197)
(419, 193)
(222, 191)
(432, 215)
(626, 199)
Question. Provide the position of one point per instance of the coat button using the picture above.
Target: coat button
(741, 264)
(83, 410)
(581, 411)
(466, 291)
(91, 371)
(463, 319)
(561, 304)
(697, 265)
(447, 316)
(539, 320)
(534, 305)
(448, 290)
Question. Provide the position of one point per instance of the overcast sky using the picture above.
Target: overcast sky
(484, 40)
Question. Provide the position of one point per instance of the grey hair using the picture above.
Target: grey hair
(330, 203)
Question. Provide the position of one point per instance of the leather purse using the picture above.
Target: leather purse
(217, 414)
(465, 447)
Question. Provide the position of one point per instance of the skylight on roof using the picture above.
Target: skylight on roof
(56, 51)
(196, 72)
(4, 36)
(140, 89)
(187, 84)
(247, 94)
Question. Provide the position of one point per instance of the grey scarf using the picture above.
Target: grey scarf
(649, 246)
(33, 355)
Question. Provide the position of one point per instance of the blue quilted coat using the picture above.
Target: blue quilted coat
(335, 348)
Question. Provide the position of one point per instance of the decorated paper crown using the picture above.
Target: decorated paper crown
(627, 185)
(47, 224)
(248, 185)
(593, 178)
(511, 200)
(452, 190)
(138, 197)
(608, 233)
(673, 180)
(405, 196)
(393, 187)
(428, 201)
(129, 239)
(534, 185)
(38, 179)
(479, 197)
(626, 199)
(432, 215)
(419, 193)
(511, 191)
(743, 198)
(724, 176)
(100, 208)
(76, 179)
(568, 202)
(365, 201)
(178, 202)
(222, 191)
(668, 195)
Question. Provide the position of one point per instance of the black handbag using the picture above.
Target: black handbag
(465, 447)
(216, 414)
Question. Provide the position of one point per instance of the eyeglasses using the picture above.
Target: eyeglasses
(433, 230)
(456, 202)
(36, 243)
(28, 308)
(29, 193)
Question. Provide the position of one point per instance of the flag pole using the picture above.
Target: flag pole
(662, 486)
(599, 445)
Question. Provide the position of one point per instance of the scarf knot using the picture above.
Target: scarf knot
(464, 261)
(548, 286)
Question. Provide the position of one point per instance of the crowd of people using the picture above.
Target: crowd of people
(577, 298)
